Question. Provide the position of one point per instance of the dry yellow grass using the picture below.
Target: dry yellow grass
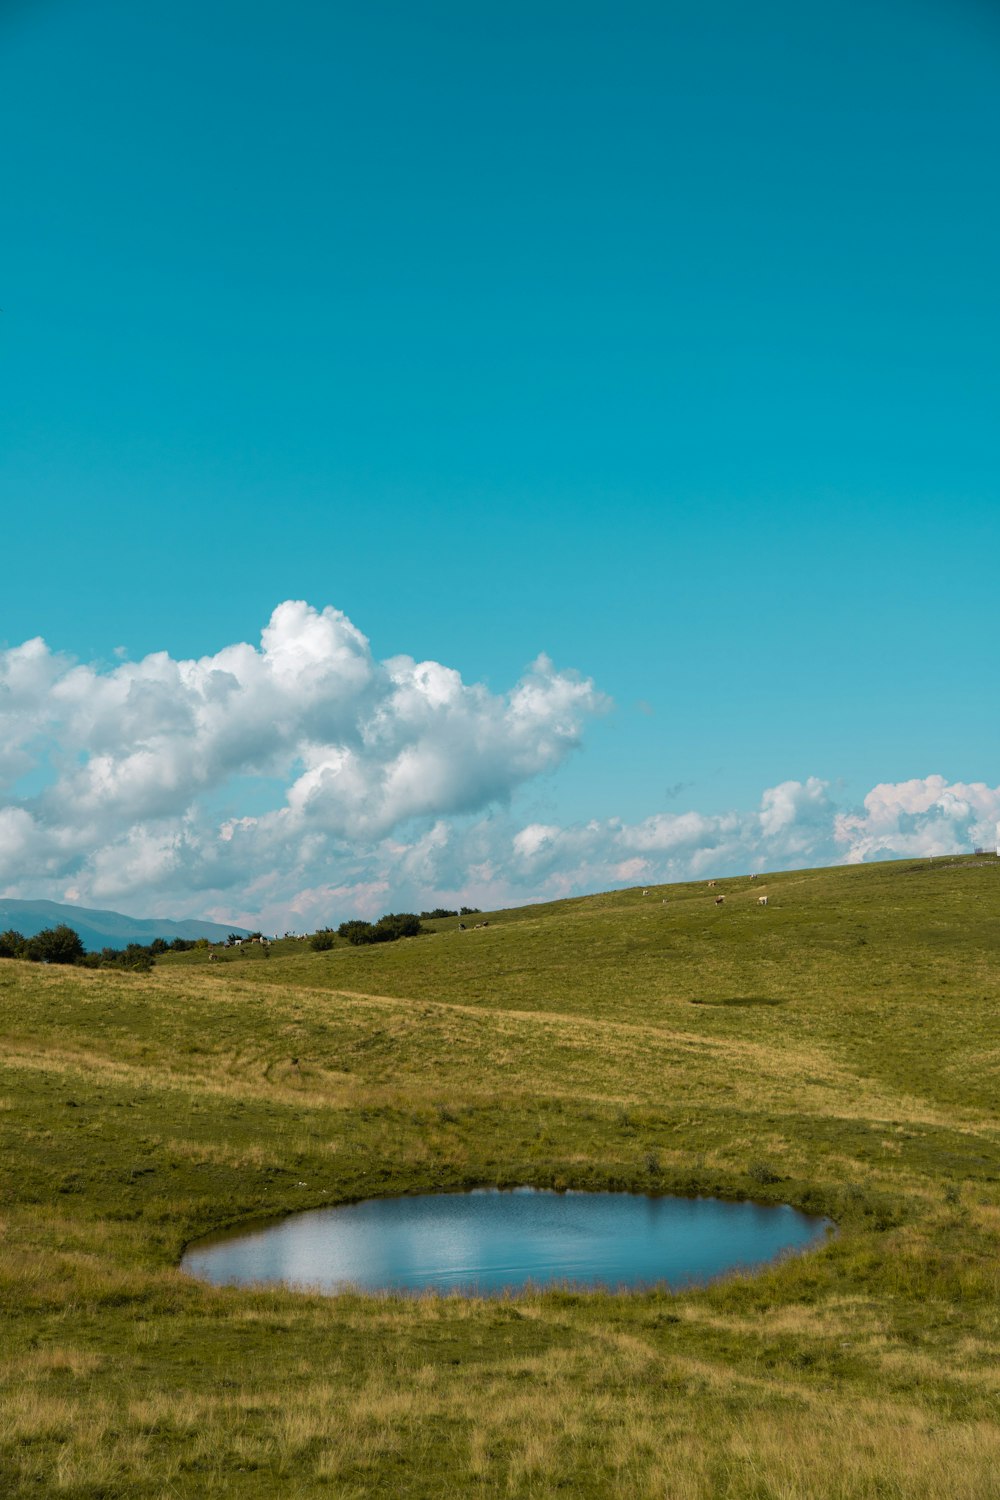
(558, 1047)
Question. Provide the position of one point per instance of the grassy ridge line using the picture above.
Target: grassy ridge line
(137, 1112)
(891, 939)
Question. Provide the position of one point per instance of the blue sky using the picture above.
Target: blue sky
(658, 338)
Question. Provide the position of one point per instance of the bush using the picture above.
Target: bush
(12, 944)
(55, 945)
(395, 924)
(439, 911)
(357, 931)
(323, 939)
(134, 956)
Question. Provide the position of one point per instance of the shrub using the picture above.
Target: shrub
(134, 956)
(357, 932)
(55, 945)
(395, 924)
(762, 1173)
(323, 939)
(12, 944)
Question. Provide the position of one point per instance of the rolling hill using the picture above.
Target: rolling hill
(837, 1050)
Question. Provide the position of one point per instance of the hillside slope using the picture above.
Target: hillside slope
(838, 1049)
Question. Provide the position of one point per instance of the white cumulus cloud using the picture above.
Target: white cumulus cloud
(300, 780)
(132, 759)
(925, 816)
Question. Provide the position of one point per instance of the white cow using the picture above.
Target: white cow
(761, 900)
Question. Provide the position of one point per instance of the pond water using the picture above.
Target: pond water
(488, 1241)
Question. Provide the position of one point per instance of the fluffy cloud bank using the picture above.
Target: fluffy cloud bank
(796, 824)
(132, 760)
(301, 780)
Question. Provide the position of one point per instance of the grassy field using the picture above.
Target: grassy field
(839, 1050)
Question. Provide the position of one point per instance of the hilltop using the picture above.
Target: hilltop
(104, 929)
(837, 1050)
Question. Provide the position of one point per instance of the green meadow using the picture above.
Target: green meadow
(838, 1050)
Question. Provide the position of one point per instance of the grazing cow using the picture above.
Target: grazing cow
(719, 900)
(212, 957)
(710, 884)
(753, 877)
(761, 900)
(645, 893)
(461, 926)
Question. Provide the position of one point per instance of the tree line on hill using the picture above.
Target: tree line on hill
(395, 924)
(62, 945)
(444, 911)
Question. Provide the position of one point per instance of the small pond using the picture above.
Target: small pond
(488, 1241)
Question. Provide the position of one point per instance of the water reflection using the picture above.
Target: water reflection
(491, 1241)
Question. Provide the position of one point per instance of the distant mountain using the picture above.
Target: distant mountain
(104, 929)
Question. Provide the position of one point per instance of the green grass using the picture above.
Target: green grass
(839, 1050)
